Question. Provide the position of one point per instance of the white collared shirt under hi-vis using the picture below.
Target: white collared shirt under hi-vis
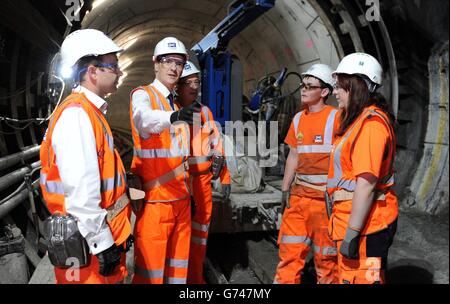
(73, 141)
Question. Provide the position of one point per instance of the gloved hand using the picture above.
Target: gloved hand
(186, 113)
(193, 208)
(126, 246)
(226, 191)
(350, 244)
(285, 200)
(109, 259)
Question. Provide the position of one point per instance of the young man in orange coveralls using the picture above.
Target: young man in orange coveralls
(205, 141)
(82, 174)
(361, 175)
(163, 226)
(304, 224)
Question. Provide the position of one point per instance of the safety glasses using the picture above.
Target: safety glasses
(114, 67)
(309, 87)
(168, 61)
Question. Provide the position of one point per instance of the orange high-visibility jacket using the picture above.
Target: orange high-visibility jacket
(205, 141)
(161, 159)
(341, 182)
(112, 183)
(313, 140)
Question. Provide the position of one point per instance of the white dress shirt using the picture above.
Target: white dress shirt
(74, 144)
(146, 120)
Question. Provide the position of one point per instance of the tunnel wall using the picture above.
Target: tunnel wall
(295, 34)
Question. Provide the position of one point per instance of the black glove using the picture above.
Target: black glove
(126, 246)
(186, 113)
(226, 190)
(192, 207)
(285, 200)
(350, 244)
(109, 259)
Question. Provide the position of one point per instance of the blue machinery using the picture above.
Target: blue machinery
(221, 71)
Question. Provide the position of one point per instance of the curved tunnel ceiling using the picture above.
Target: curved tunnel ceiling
(294, 34)
(291, 35)
(411, 42)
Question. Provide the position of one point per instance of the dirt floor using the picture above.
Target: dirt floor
(419, 254)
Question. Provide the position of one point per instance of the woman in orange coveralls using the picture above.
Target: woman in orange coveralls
(363, 205)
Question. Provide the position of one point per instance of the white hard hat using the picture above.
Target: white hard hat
(361, 64)
(87, 42)
(189, 69)
(170, 45)
(320, 71)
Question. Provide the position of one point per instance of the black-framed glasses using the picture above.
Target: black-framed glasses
(308, 87)
(168, 61)
(112, 66)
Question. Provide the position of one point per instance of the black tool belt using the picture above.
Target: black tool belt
(217, 163)
(65, 244)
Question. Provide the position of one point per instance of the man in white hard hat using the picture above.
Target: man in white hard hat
(82, 174)
(163, 226)
(305, 221)
(207, 155)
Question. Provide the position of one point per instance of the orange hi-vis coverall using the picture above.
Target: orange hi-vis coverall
(163, 226)
(112, 187)
(205, 141)
(368, 146)
(304, 224)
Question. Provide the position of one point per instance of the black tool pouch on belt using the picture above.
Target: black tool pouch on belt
(217, 163)
(134, 182)
(65, 244)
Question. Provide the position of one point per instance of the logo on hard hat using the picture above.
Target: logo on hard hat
(172, 45)
(361, 63)
(187, 67)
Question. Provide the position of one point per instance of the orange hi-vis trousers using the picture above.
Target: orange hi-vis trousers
(90, 274)
(162, 235)
(373, 253)
(201, 187)
(304, 227)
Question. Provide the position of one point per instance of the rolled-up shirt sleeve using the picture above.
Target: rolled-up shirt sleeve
(147, 120)
(74, 144)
